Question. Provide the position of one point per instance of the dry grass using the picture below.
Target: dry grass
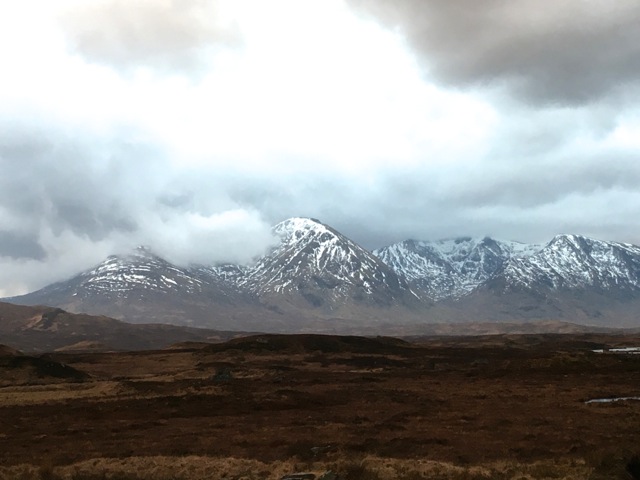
(507, 408)
(39, 394)
(368, 468)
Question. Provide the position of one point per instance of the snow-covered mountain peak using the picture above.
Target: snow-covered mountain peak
(296, 228)
(569, 240)
(576, 261)
(462, 247)
(451, 267)
(308, 241)
(316, 272)
(142, 251)
(140, 268)
(131, 260)
(324, 267)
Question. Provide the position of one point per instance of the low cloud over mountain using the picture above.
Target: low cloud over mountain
(195, 129)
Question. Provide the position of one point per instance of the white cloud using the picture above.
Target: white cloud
(232, 236)
(161, 35)
(281, 108)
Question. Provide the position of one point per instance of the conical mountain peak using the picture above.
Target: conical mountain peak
(317, 265)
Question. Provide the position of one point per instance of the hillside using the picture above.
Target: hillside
(318, 280)
(47, 329)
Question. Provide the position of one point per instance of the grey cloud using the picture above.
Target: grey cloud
(62, 183)
(526, 183)
(166, 36)
(528, 133)
(68, 201)
(75, 189)
(209, 214)
(528, 199)
(19, 246)
(176, 200)
(94, 222)
(571, 53)
(524, 199)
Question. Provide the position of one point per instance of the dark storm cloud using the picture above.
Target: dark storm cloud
(571, 52)
(167, 36)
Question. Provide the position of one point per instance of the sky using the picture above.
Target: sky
(193, 126)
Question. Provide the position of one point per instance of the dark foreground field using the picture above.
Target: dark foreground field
(499, 407)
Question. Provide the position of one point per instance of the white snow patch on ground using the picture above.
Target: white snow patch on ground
(625, 350)
(612, 399)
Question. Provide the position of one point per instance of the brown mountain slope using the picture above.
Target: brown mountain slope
(47, 329)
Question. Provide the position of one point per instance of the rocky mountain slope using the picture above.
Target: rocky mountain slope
(451, 268)
(574, 262)
(314, 275)
(142, 288)
(316, 279)
(572, 278)
(316, 266)
(134, 275)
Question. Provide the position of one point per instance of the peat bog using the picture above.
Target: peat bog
(503, 406)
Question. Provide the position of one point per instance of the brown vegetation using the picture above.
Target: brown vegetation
(45, 329)
(500, 407)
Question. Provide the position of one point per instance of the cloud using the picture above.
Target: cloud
(163, 35)
(67, 201)
(234, 236)
(16, 246)
(528, 184)
(525, 199)
(115, 145)
(67, 183)
(568, 53)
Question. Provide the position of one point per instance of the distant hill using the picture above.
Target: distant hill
(48, 329)
(313, 343)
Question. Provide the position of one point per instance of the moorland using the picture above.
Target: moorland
(494, 406)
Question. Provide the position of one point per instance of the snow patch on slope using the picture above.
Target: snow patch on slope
(577, 262)
(452, 268)
(319, 262)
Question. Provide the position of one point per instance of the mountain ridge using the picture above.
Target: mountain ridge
(325, 268)
(453, 267)
(317, 279)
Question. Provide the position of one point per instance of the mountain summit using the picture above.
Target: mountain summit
(451, 268)
(315, 265)
(141, 287)
(574, 262)
(315, 273)
(318, 279)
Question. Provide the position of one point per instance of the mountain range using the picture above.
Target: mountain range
(317, 279)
